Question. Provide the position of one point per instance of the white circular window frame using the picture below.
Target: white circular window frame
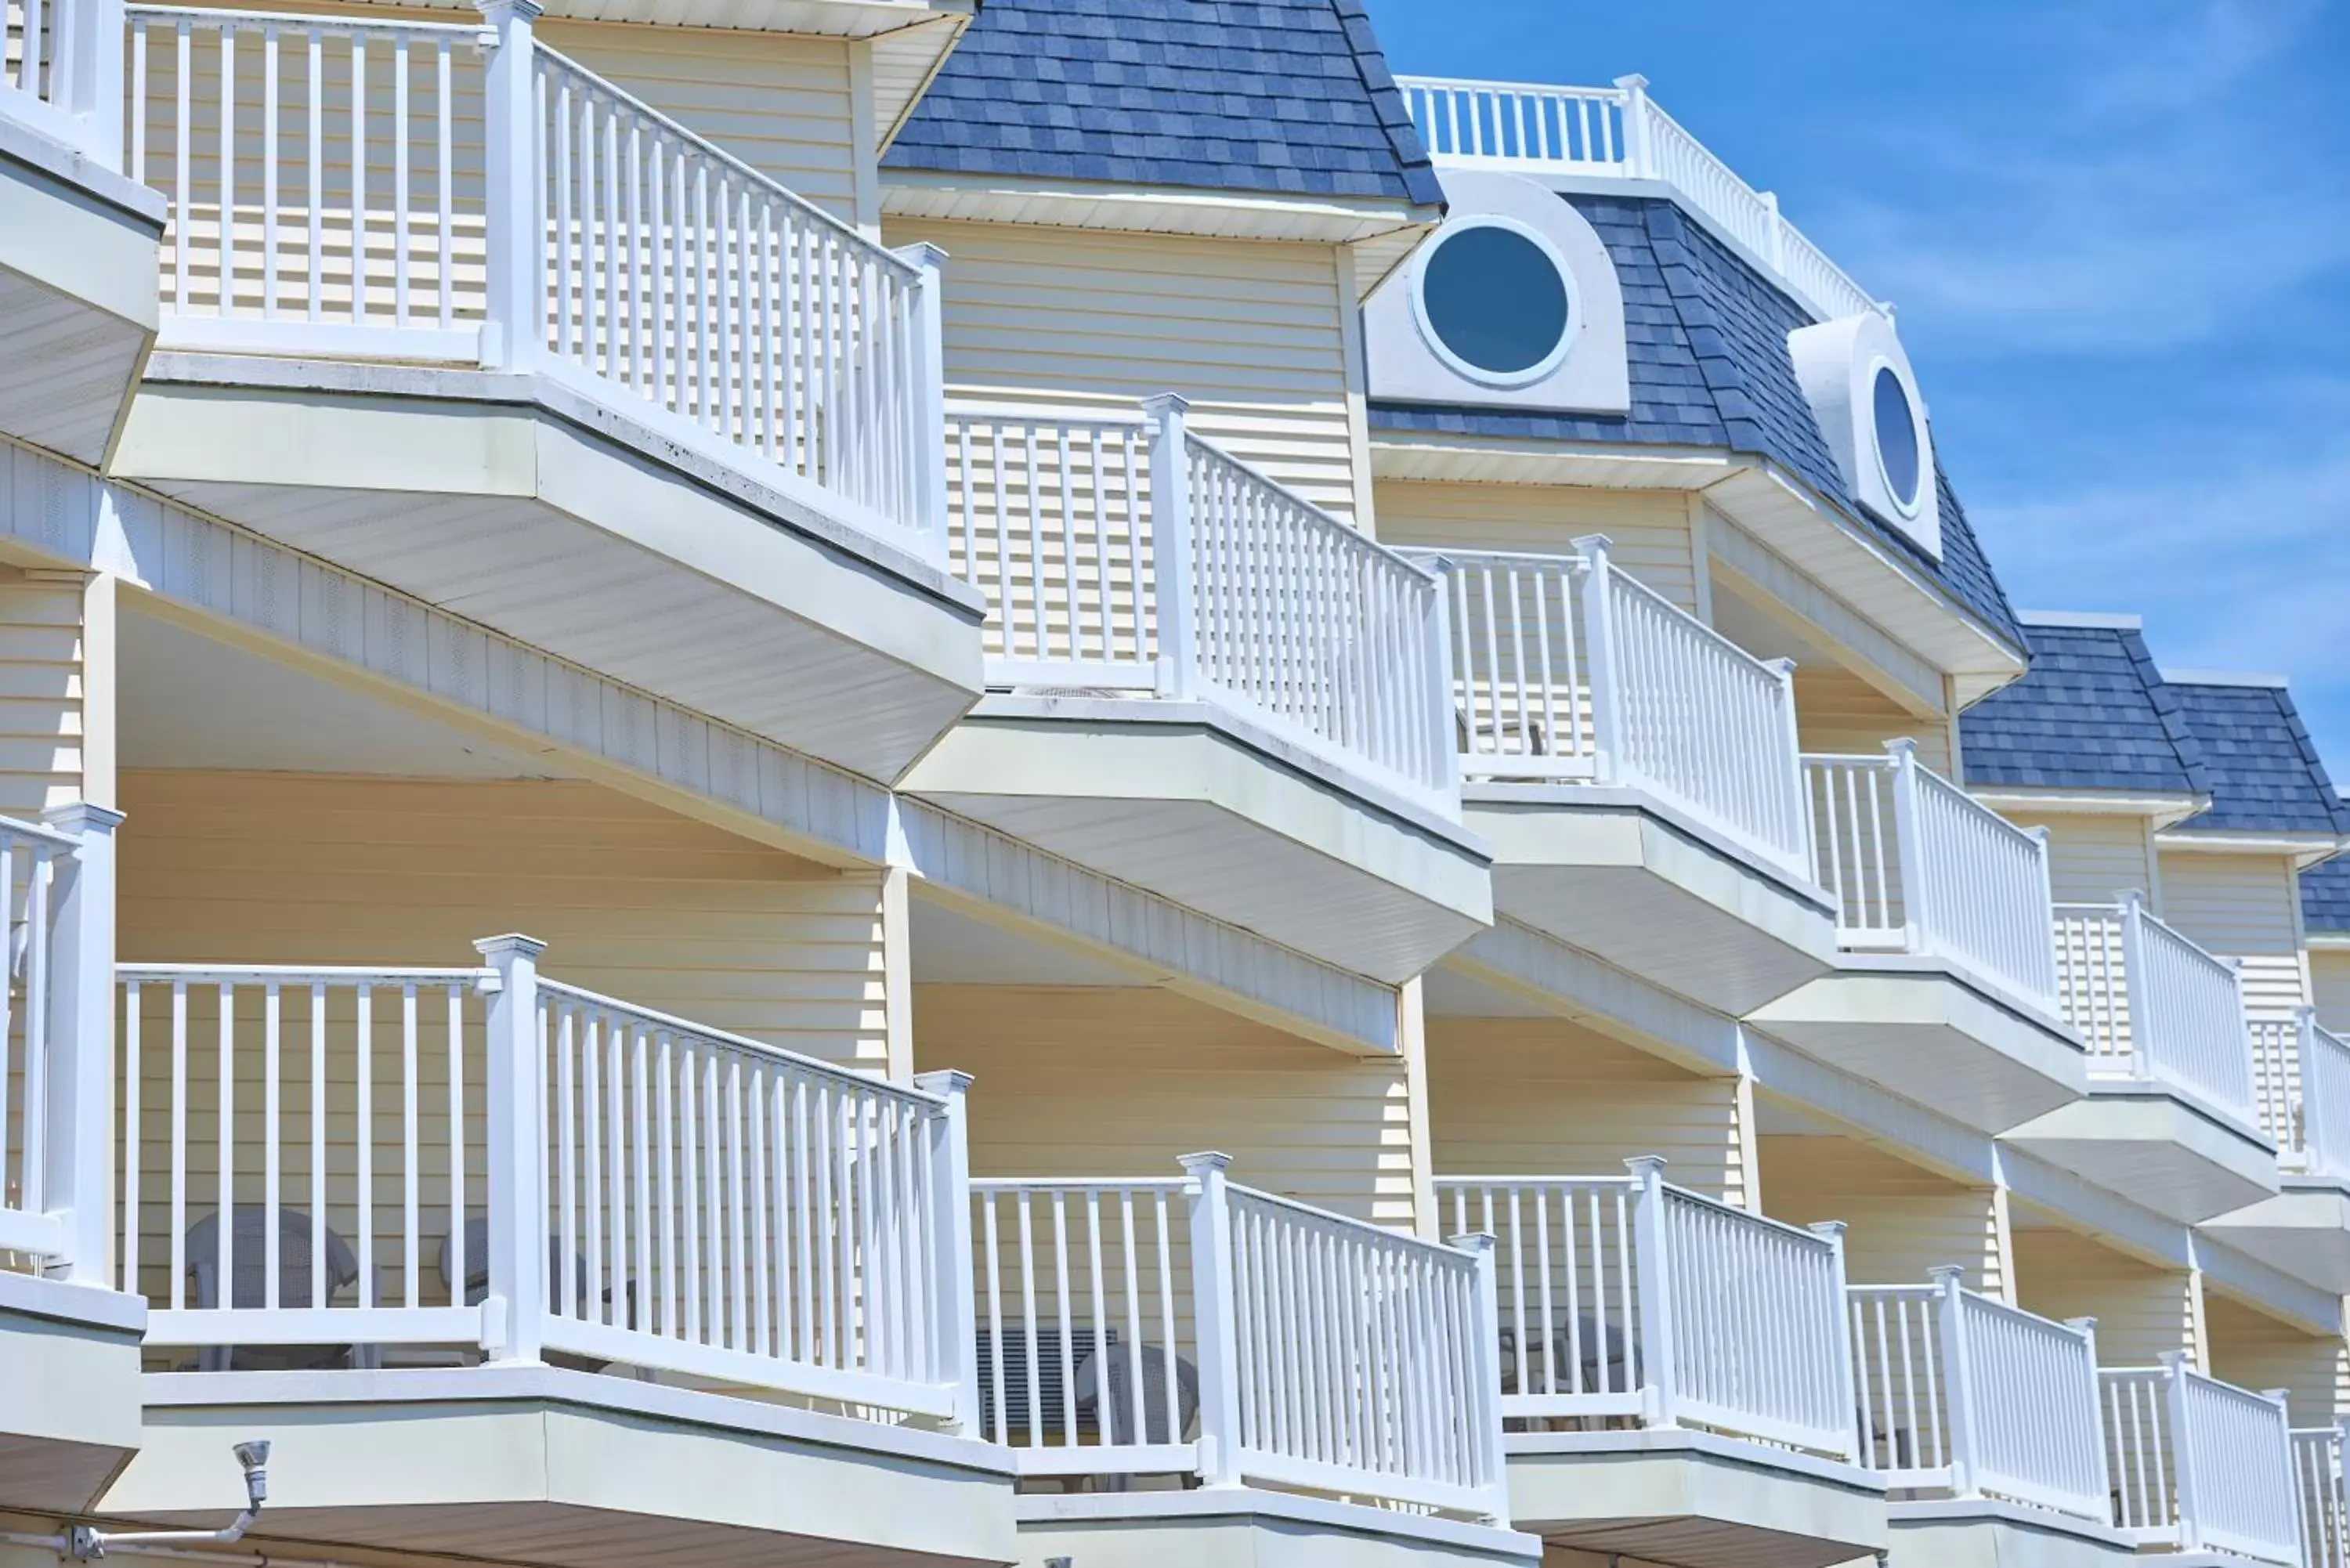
(1908, 506)
(1542, 369)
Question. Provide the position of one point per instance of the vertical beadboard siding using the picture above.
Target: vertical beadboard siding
(2140, 1310)
(1108, 1081)
(780, 104)
(2095, 859)
(1836, 711)
(2329, 976)
(1649, 528)
(2252, 1350)
(1510, 1097)
(1900, 1220)
(1250, 330)
(2241, 905)
(632, 901)
(40, 695)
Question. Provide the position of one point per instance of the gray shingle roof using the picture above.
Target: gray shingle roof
(1707, 335)
(1278, 97)
(2325, 898)
(2264, 772)
(2092, 713)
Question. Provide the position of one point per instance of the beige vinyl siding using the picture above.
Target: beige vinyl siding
(2095, 859)
(2141, 1310)
(2254, 1351)
(1648, 530)
(1900, 1220)
(1115, 1081)
(1511, 1097)
(2329, 976)
(2243, 906)
(1251, 331)
(783, 105)
(42, 687)
(1836, 711)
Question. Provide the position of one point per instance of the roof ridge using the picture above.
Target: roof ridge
(2168, 711)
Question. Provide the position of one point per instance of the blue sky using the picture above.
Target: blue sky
(2117, 236)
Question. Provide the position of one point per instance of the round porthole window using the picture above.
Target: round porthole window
(1896, 437)
(1492, 299)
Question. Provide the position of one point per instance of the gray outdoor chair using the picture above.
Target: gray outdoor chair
(248, 1290)
(477, 1281)
(1114, 1409)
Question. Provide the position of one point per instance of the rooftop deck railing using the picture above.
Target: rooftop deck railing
(1195, 1327)
(1567, 669)
(1618, 132)
(1917, 866)
(2300, 1086)
(351, 1166)
(1964, 1395)
(414, 192)
(2199, 1465)
(2153, 1007)
(1128, 555)
(1627, 1298)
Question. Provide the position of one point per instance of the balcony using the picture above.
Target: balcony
(1676, 1374)
(449, 309)
(2200, 1465)
(1947, 992)
(1206, 686)
(2170, 1115)
(77, 242)
(1636, 774)
(2301, 1087)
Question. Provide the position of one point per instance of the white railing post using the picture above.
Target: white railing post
(1652, 1287)
(1444, 755)
(1639, 146)
(1170, 542)
(517, 1123)
(1831, 1232)
(78, 1120)
(1958, 1378)
(2135, 992)
(1214, 1324)
(1798, 798)
(2282, 1399)
(2047, 912)
(1775, 251)
(2088, 1329)
(955, 1309)
(1907, 851)
(2300, 1106)
(928, 395)
(1485, 1365)
(515, 237)
(95, 90)
(2182, 1451)
(1599, 659)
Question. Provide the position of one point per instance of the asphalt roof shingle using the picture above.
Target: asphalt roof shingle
(1274, 96)
(2092, 713)
(2326, 896)
(2263, 767)
(1707, 338)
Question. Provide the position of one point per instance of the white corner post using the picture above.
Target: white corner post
(929, 397)
(1599, 659)
(1444, 751)
(1215, 1324)
(2314, 1157)
(1790, 726)
(1958, 1374)
(516, 1113)
(2046, 911)
(2182, 1451)
(2135, 990)
(954, 1306)
(76, 1101)
(517, 229)
(1652, 1284)
(1172, 583)
(1639, 145)
(92, 69)
(1908, 851)
(2086, 1327)
(1484, 1409)
(1775, 246)
(1831, 1232)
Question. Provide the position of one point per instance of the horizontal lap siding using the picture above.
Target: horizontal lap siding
(1648, 530)
(2329, 974)
(2094, 859)
(1900, 1220)
(1544, 1097)
(2141, 1310)
(2242, 906)
(2254, 1351)
(1248, 330)
(1120, 1082)
(40, 697)
(1836, 711)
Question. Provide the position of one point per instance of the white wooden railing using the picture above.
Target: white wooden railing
(1618, 132)
(2300, 1086)
(371, 189)
(2154, 1007)
(1129, 556)
(1960, 1393)
(1566, 668)
(1916, 864)
(1628, 1297)
(2201, 1465)
(1193, 1327)
(477, 1157)
(61, 74)
(2317, 1476)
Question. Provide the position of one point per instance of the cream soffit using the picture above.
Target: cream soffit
(227, 582)
(1525, 963)
(2272, 1291)
(2165, 810)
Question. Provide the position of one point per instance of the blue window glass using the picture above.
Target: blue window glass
(1896, 436)
(1495, 298)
